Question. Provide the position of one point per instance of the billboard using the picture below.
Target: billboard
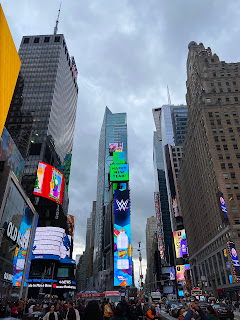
(223, 206)
(51, 243)
(11, 155)
(180, 243)
(71, 225)
(9, 65)
(119, 172)
(122, 239)
(49, 183)
(115, 147)
(119, 186)
(234, 261)
(181, 272)
(160, 233)
(118, 157)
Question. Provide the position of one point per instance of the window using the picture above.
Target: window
(212, 84)
(235, 98)
(233, 176)
(230, 129)
(238, 129)
(234, 83)
(225, 147)
(225, 176)
(228, 121)
(26, 40)
(220, 157)
(46, 39)
(227, 156)
(222, 74)
(219, 122)
(235, 146)
(214, 74)
(230, 166)
(227, 83)
(234, 209)
(36, 40)
(210, 114)
(227, 99)
(219, 84)
(208, 100)
(238, 155)
(237, 221)
(226, 114)
(219, 99)
(223, 166)
(220, 130)
(223, 138)
(218, 147)
(229, 89)
(214, 90)
(236, 89)
(236, 121)
(229, 74)
(217, 114)
(57, 39)
(233, 138)
(221, 90)
(216, 138)
(235, 186)
(238, 196)
(214, 130)
(228, 186)
(212, 122)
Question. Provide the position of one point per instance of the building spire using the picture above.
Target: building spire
(56, 26)
(169, 98)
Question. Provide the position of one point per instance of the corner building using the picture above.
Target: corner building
(210, 172)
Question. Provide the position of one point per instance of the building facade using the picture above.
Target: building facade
(151, 231)
(209, 173)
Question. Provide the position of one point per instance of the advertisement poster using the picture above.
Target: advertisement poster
(223, 206)
(119, 186)
(181, 270)
(122, 239)
(20, 254)
(51, 243)
(10, 154)
(71, 225)
(115, 147)
(119, 172)
(234, 260)
(118, 157)
(49, 183)
(180, 243)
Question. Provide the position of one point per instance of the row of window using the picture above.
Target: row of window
(37, 39)
(226, 114)
(228, 121)
(220, 156)
(223, 138)
(208, 100)
(228, 90)
(227, 83)
(222, 74)
(214, 130)
(228, 66)
(230, 165)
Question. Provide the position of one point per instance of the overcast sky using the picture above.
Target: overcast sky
(127, 52)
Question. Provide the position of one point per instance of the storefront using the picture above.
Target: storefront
(18, 221)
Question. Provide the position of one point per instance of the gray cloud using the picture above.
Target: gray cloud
(126, 52)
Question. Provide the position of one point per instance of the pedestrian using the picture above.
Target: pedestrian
(15, 310)
(157, 308)
(76, 311)
(151, 313)
(211, 313)
(181, 313)
(71, 314)
(108, 313)
(92, 311)
(51, 314)
(119, 313)
(193, 308)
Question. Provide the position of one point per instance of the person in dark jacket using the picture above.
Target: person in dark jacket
(71, 314)
(193, 307)
(211, 313)
(92, 311)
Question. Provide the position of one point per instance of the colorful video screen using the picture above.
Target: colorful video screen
(122, 239)
(119, 157)
(115, 147)
(180, 243)
(181, 272)
(49, 183)
(119, 172)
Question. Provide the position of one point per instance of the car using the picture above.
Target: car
(223, 310)
(203, 305)
(173, 310)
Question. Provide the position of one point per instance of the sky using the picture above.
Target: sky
(127, 52)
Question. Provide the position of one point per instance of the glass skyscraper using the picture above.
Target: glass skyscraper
(114, 129)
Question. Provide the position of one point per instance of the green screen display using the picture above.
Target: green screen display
(119, 172)
(118, 157)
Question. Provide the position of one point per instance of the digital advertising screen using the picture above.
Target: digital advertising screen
(181, 270)
(49, 183)
(234, 260)
(122, 239)
(118, 157)
(51, 243)
(160, 233)
(119, 186)
(223, 206)
(172, 273)
(71, 225)
(11, 155)
(116, 147)
(119, 172)
(180, 243)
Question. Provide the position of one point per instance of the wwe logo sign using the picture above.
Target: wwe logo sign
(122, 205)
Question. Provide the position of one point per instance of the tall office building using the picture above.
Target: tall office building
(114, 130)
(209, 174)
(151, 231)
(41, 121)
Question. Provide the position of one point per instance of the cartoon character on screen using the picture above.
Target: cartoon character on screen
(54, 186)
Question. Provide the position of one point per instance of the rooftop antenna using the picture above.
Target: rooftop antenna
(169, 98)
(56, 26)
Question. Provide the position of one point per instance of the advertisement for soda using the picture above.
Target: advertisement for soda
(122, 239)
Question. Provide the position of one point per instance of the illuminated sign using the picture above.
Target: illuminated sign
(160, 233)
(180, 243)
(119, 172)
(115, 147)
(119, 186)
(234, 261)
(50, 242)
(70, 222)
(181, 272)
(118, 157)
(223, 206)
(49, 183)
(122, 239)
(172, 273)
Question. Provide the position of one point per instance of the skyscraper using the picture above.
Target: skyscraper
(209, 174)
(151, 231)
(114, 130)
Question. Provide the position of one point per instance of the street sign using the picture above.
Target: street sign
(196, 292)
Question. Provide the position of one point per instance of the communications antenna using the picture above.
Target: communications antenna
(169, 98)
(56, 26)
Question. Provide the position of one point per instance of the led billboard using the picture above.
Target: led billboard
(234, 260)
(51, 243)
(122, 239)
(11, 155)
(223, 206)
(49, 183)
(180, 243)
(181, 271)
(118, 157)
(71, 226)
(160, 233)
(119, 172)
(119, 186)
(115, 147)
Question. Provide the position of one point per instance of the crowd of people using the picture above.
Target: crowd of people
(101, 310)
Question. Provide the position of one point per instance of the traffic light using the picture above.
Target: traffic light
(141, 285)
